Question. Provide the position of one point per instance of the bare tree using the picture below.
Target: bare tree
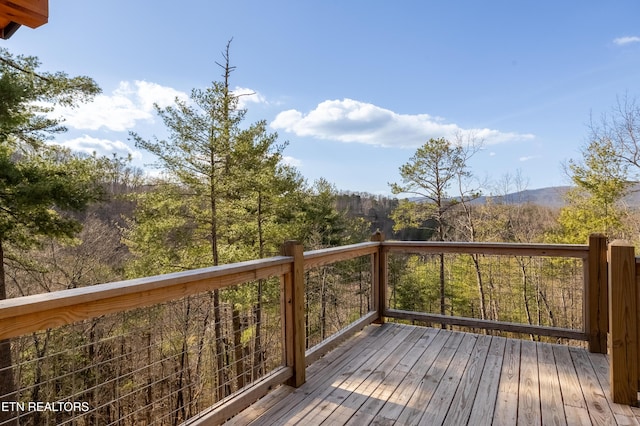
(430, 174)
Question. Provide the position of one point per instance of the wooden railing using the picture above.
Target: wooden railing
(624, 320)
(24, 315)
(500, 249)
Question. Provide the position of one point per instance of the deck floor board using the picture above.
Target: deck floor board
(395, 374)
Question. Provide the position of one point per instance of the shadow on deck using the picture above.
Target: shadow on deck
(408, 375)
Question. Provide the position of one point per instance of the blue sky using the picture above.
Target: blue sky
(356, 86)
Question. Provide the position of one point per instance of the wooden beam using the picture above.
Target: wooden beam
(638, 312)
(623, 350)
(539, 330)
(580, 251)
(378, 274)
(293, 294)
(596, 294)
(31, 13)
(330, 343)
(24, 315)
(232, 405)
(315, 258)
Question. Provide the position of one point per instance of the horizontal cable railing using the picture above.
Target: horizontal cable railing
(155, 350)
(165, 349)
(338, 295)
(200, 345)
(535, 289)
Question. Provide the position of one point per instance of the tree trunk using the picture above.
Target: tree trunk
(443, 306)
(199, 375)
(217, 316)
(7, 382)
(360, 291)
(258, 353)
(523, 269)
(552, 317)
(307, 323)
(439, 219)
(476, 265)
(237, 347)
(323, 305)
(217, 327)
(148, 391)
(41, 349)
(180, 409)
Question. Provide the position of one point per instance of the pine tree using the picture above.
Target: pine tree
(38, 181)
(224, 193)
(595, 203)
(429, 174)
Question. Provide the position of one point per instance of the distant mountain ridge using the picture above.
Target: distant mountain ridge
(552, 197)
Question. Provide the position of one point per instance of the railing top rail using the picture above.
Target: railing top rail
(518, 249)
(326, 256)
(40, 311)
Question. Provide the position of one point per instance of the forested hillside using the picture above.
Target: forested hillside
(223, 194)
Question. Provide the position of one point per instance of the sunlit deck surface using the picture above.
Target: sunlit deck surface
(408, 375)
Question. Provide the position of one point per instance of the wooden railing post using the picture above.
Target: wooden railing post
(623, 350)
(294, 331)
(596, 294)
(379, 277)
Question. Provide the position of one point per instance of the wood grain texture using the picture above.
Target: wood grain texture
(294, 330)
(580, 251)
(23, 315)
(529, 390)
(486, 324)
(315, 258)
(413, 411)
(316, 352)
(404, 375)
(243, 399)
(485, 401)
(31, 13)
(506, 409)
(623, 413)
(394, 406)
(467, 390)
(599, 410)
(445, 393)
(379, 274)
(596, 294)
(550, 392)
(569, 384)
(623, 327)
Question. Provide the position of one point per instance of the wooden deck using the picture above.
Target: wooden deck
(406, 375)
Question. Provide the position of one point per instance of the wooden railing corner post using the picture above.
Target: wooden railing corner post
(379, 277)
(294, 330)
(597, 294)
(623, 350)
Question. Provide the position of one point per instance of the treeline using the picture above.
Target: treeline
(225, 194)
(66, 221)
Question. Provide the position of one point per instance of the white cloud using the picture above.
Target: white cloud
(122, 109)
(150, 93)
(530, 157)
(291, 161)
(89, 145)
(626, 40)
(348, 120)
(248, 96)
